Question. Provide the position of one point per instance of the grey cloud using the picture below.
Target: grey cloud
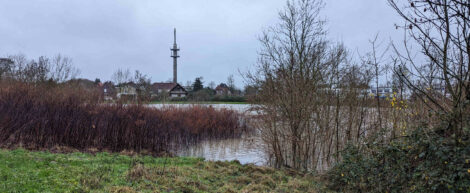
(216, 37)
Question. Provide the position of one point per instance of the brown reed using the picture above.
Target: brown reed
(41, 117)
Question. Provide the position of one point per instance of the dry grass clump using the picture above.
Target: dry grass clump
(254, 188)
(226, 189)
(123, 189)
(137, 172)
(220, 177)
(242, 180)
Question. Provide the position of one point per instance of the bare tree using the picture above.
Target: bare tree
(20, 62)
(355, 81)
(62, 69)
(231, 83)
(57, 69)
(376, 59)
(293, 70)
(37, 71)
(143, 85)
(211, 85)
(6, 67)
(121, 76)
(441, 29)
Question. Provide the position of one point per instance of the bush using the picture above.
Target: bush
(37, 117)
(421, 162)
(179, 99)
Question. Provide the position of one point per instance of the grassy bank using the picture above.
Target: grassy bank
(26, 171)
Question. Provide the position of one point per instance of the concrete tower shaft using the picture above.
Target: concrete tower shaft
(175, 57)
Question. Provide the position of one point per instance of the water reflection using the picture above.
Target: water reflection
(245, 149)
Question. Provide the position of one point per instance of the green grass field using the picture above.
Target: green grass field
(27, 171)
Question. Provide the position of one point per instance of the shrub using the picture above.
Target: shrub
(179, 99)
(37, 117)
(421, 162)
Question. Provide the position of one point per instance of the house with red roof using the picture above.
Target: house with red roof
(222, 89)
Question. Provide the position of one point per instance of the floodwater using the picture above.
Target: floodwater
(247, 149)
(242, 108)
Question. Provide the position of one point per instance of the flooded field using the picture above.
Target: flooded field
(242, 108)
(247, 149)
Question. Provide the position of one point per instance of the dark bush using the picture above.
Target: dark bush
(421, 162)
(179, 99)
(37, 117)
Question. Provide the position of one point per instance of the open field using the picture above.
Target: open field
(26, 171)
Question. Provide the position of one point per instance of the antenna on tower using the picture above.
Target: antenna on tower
(174, 35)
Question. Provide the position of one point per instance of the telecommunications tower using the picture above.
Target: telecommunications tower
(175, 56)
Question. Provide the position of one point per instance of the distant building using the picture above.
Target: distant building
(127, 91)
(381, 92)
(173, 90)
(439, 88)
(108, 89)
(222, 89)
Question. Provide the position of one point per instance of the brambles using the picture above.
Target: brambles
(43, 117)
(421, 162)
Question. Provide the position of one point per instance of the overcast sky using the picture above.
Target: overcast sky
(216, 37)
